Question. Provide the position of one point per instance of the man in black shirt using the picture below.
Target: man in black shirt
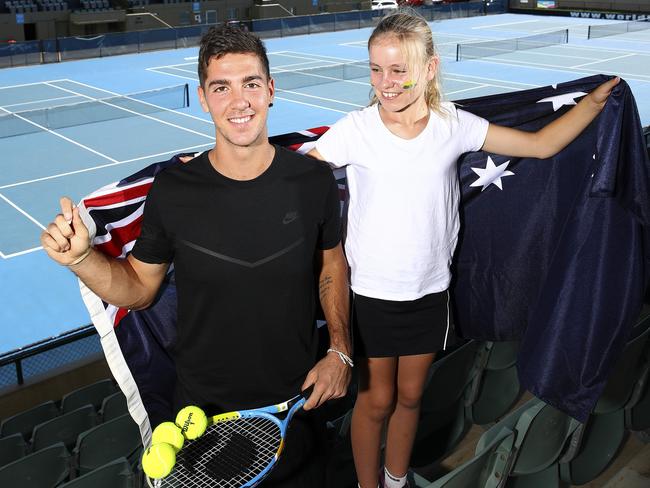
(249, 227)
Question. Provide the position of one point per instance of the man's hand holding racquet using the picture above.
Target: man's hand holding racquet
(330, 378)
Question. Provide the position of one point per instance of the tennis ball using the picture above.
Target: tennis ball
(192, 422)
(169, 433)
(158, 460)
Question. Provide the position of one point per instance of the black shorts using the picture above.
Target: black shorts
(387, 328)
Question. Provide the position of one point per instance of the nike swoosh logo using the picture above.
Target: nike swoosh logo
(241, 262)
(290, 217)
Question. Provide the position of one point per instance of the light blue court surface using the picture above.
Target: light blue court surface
(41, 299)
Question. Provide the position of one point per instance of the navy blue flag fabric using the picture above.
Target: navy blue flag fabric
(551, 254)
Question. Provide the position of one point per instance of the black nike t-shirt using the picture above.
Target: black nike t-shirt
(244, 255)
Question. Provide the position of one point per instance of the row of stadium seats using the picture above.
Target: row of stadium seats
(95, 5)
(24, 6)
(536, 445)
(475, 383)
(88, 437)
(88, 430)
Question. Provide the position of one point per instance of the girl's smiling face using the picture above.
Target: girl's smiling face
(396, 84)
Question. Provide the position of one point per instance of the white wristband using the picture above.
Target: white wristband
(80, 258)
(344, 357)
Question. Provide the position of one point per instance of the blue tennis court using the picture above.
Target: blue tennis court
(126, 129)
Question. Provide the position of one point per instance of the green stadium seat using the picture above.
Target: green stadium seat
(503, 354)
(93, 394)
(593, 448)
(64, 428)
(487, 469)
(113, 406)
(628, 369)
(442, 423)
(637, 411)
(12, 447)
(595, 445)
(548, 478)
(495, 385)
(25, 421)
(106, 442)
(46, 468)
(116, 474)
(541, 434)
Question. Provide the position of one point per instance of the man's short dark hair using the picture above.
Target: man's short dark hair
(219, 41)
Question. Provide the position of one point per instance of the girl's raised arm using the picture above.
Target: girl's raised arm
(554, 137)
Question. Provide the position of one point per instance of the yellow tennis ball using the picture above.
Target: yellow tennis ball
(192, 422)
(158, 460)
(169, 433)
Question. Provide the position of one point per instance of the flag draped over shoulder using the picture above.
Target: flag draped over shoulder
(551, 253)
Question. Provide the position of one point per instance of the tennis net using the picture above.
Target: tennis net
(605, 30)
(474, 50)
(93, 111)
(320, 75)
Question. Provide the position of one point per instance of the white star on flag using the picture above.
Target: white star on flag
(491, 174)
(560, 100)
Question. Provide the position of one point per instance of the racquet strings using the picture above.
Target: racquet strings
(228, 455)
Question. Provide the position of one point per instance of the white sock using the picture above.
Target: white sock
(392, 481)
(359, 486)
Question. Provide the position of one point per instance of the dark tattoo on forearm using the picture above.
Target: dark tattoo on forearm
(324, 286)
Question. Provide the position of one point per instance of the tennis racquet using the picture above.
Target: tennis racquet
(238, 449)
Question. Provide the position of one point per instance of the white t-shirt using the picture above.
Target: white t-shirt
(402, 225)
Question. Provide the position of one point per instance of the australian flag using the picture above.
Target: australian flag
(552, 253)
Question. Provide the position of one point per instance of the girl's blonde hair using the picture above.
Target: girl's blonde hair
(416, 40)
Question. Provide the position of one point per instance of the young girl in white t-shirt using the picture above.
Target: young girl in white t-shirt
(400, 156)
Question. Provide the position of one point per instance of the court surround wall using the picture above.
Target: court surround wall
(564, 7)
(52, 24)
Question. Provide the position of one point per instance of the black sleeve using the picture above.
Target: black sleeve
(153, 245)
(330, 226)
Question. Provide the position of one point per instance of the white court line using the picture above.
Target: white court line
(164, 122)
(102, 166)
(489, 79)
(28, 84)
(311, 105)
(22, 211)
(162, 109)
(38, 101)
(168, 66)
(506, 24)
(276, 97)
(331, 78)
(193, 78)
(578, 47)
(196, 58)
(532, 52)
(20, 253)
(467, 89)
(560, 27)
(60, 135)
(642, 40)
(319, 57)
(603, 60)
(305, 64)
(555, 55)
(321, 98)
(563, 69)
(355, 44)
(182, 70)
